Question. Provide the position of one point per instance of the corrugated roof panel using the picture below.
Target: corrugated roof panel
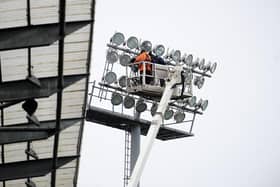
(16, 183)
(15, 152)
(12, 13)
(45, 64)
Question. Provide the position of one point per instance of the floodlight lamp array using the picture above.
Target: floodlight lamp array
(132, 47)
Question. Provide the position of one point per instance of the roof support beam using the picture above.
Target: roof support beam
(27, 132)
(31, 168)
(23, 89)
(62, 7)
(86, 92)
(35, 35)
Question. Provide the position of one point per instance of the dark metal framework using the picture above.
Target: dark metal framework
(29, 132)
(125, 122)
(62, 7)
(31, 168)
(36, 35)
(86, 90)
(14, 92)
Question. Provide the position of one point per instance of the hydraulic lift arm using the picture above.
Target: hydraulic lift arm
(174, 78)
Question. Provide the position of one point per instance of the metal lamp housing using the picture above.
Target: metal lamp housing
(118, 38)
(213, 67)
(146, 45)
(110, 77)
(191, 101)
(204, 105)
(124, 59)
(179, 116)
(129, 102)
(132, 42)
(141, 106)
(168, 114)
(112, 57)
(116, 99)
(159, 50)
(176, 55)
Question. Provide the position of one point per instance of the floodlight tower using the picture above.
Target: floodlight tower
(170, 88)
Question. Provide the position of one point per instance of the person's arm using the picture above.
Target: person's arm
(132, 60)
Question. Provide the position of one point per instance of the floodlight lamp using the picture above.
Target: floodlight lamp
(196, 80)
(141, 106)
(116, 99)
(168, 114)
(179, 116)
(154, 108)
(123, 81)
(195, 63)
(112, 57)
(118, 38)
(189, 60)
(176, 55)
(204, 105)
(110, 77)
(146, 45)
(159, 50)
(191, 101)
(207, 67)
(129, 102)
(200, 82)
(188, 77)
(132, 42)
(201, 64)
(124, 59)
(198, 104)
(213, 67)
(184, 57)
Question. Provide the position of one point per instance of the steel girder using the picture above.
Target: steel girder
(28, 132)
(35, 35)
(31, 168)
(24, 89)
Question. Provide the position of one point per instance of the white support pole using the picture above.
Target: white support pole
(154, 128)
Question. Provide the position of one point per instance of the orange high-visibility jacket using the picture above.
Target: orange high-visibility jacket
(144, 57)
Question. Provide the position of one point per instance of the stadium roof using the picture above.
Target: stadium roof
(37, 42)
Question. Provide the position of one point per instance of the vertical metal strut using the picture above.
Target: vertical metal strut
(62, 5)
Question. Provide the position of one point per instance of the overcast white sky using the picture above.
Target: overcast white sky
(236, 142)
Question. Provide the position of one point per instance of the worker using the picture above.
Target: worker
(144, 57)
(158, 60)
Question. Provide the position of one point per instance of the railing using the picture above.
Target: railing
(156, 77)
